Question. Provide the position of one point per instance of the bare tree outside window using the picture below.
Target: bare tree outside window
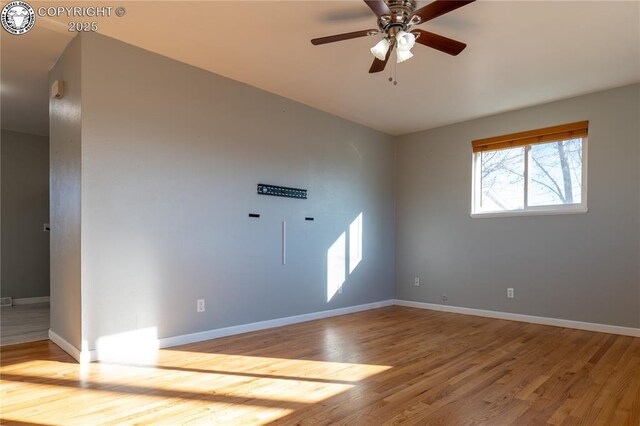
(555, 173)
(552, 172)
(503, 179)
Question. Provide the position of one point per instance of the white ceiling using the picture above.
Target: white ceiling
(519, 53)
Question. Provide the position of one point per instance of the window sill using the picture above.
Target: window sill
(545, 212)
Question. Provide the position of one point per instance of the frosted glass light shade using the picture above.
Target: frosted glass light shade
(380, 49)
(405, 40)
(403, 55)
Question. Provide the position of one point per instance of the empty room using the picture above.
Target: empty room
(320, 212)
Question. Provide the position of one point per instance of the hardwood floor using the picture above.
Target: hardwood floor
(24, 323)
(386, 366)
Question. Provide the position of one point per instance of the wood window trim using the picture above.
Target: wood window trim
(578, 129)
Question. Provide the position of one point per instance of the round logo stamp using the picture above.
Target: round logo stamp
(17, 17)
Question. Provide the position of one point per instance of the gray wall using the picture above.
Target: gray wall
(581, 267)
(152, 188)
(65, 188)
(171, 156)
(25, 209)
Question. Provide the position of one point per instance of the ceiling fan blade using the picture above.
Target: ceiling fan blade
(438, 42)
(379, 65)
(379, 7)
(345, 36)
(439, 8)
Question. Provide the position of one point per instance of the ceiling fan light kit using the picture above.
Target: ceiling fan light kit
(396, 18)
(405, 42)
(380, 49)
(403, 55)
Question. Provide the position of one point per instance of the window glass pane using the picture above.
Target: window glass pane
(555, 173)
(502, 180)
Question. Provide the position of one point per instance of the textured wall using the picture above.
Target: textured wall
(171, 156)
(581, 267)
(25, 209)
(65, 186)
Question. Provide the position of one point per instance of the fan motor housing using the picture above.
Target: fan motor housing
(401, 11)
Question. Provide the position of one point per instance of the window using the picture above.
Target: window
(536, 172)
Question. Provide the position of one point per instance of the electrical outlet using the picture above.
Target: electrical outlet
(200, 305)
(444, 297)
(510, 293)
(416, 281)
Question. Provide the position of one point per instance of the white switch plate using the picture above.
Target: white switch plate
(416, 281)
(510, 293)
(200, 305)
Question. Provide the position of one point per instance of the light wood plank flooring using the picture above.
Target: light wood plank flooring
(24, 323)
(393, 365)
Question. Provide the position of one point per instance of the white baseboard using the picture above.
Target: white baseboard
(579, 325)
(262, 325)
(31, 300)
(77, 354)
(94, 355)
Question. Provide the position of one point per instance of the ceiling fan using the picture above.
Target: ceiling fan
(396, 18)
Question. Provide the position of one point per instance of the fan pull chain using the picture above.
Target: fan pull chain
(392, 72)
(395, 73)
(395, 68)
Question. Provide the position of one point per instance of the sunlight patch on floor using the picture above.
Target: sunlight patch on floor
(215, 388)
(286, 367)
